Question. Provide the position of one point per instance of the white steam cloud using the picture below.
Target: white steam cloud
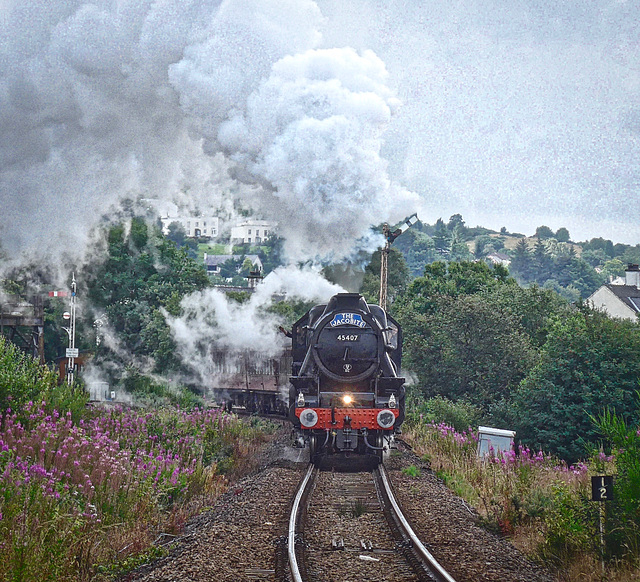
(105, 101)
(204, 103)
(210, 319)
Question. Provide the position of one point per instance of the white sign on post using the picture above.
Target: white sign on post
(72, 352)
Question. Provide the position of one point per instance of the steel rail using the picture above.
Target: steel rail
(417, 544)
(293, 518)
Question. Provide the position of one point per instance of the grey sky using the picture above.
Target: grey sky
(513, 114)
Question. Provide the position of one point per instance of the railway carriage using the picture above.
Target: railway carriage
(251, 380)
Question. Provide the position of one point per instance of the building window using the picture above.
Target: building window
(249, 240)
(249, 231)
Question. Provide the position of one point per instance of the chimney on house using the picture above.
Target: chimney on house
(632, 276)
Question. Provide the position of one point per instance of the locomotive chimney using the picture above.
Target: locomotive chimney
(632, 276)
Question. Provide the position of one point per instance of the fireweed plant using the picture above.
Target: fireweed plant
(522, 493)
(76, 495)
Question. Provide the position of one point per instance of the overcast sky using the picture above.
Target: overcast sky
(515, 113)
(326, 115)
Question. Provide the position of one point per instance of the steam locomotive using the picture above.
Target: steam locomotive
(346, 395)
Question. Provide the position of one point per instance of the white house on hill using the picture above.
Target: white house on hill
(252, 231)
(499, 259)
(194, 226)
(622, 301)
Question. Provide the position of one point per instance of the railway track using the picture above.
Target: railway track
(348, 526)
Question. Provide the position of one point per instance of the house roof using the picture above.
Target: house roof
(499, 256)
(215, 260)
(628, 294)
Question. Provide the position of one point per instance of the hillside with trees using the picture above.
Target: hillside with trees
(547, 259)
(508, 341)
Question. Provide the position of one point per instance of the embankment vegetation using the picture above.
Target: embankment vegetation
(84, 492)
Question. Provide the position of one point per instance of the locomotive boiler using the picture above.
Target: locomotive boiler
(346, 394)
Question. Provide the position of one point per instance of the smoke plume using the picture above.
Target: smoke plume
(200, 103)
(210, 319)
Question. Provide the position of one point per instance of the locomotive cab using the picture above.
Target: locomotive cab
(346, 395)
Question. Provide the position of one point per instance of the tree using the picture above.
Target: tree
(595, 257)
(613, 268)
(521, 264)
(459, 249)
(142, 274)
(589, 362)
(600, 244)
(543, 232)
(453, 279)
(483, 246)
(138, 233)
(270, 253)
(475, 352)
(535, 309)
(562, 235)
(541, 263)
(461, 338)
(455, 222)
(418, 249)
(177, 233)
(442, 239)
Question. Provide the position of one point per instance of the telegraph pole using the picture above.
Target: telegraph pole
(384, 269)
(384, 254)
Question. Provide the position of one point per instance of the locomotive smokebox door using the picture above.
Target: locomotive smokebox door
(346, 348)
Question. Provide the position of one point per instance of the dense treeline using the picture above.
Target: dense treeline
(524, 357)
(549, 259)
(142, 275)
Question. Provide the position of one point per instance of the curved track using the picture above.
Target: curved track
(397, 547)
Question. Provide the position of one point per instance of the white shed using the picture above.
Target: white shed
(494, 440)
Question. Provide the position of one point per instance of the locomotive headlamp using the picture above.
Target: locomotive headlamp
(392, 401)
(300, 401)
(308, 418)
(386, 418)
(347, 399)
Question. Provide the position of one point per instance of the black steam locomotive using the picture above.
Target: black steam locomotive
(346, 395)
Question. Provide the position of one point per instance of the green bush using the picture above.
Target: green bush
(571, 526)
(623, 512)
(149, 390)
(460, 414)
(412, 471)
(24, 379)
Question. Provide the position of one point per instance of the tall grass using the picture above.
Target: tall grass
(543, 504)
(77, 495)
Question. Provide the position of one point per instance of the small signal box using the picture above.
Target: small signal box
(602, 488)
